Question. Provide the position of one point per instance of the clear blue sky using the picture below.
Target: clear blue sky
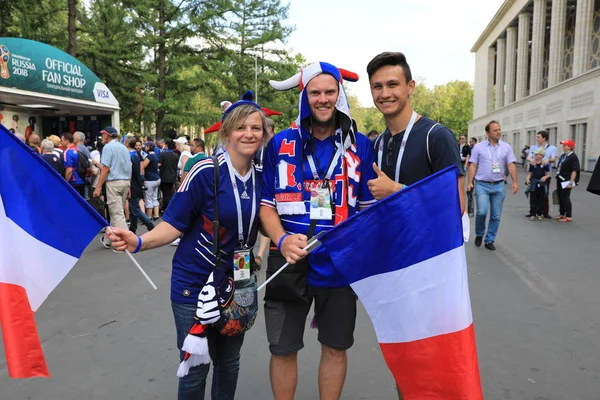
(435, 35)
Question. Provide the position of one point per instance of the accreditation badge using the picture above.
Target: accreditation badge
(320, 204)
(496, 168)
(241, 265)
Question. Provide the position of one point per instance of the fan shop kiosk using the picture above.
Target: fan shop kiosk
(46, 91)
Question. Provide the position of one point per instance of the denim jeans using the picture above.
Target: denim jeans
(224, 353)
(135, 212)
(489, 196)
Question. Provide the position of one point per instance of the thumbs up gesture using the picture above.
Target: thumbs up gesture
(382, 186)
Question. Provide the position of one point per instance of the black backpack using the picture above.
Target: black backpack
(84, 167)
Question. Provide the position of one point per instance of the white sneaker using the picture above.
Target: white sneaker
(102, 240)
(175, 242)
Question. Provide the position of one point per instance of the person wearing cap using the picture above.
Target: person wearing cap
(321, 155)
(185, 153)
(549, 158)
(538, 174)
(116, 173)
(190, 215)
(566, 178)
(490, 159)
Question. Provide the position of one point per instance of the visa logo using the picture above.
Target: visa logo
(102, 93)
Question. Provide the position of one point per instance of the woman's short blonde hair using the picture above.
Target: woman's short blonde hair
(238, 115)
(182, 147)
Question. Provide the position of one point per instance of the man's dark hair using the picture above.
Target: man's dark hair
(544, 134)
(474, 139)
(372, 132)
(172, 133)
(389, 58)
(68, 137)
(149, 138)
(170, 144)
(463, 135)
(132, 142)
(487, 127)
(199, 143)
(189, 139)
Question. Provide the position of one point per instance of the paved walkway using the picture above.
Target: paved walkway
(536, 304)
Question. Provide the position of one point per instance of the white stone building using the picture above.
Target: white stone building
(538, 67)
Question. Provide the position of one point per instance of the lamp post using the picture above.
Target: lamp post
(256, 78)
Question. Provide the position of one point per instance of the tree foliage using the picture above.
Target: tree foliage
(450, 104)
(170, 63)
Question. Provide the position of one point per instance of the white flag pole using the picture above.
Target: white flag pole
(141, 270)
(137, 264)
(313, 243)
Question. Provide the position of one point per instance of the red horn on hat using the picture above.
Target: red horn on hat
(268, 112)
(349, 76)
(213, 128)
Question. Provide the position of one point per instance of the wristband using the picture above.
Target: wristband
(139, 246)
(281, 241)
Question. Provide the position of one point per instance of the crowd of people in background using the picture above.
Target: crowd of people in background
(129, 176)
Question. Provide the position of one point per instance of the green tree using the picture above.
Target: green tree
(110, 46)
(41, 20)
(253, 27)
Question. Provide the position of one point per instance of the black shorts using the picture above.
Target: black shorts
(335, 314)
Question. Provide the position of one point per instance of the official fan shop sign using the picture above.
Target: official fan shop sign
(37, 67)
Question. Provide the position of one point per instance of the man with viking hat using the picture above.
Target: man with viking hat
(322, 154)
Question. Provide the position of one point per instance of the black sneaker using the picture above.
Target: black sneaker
(490, 246)
(529, 215)
(547, 216)
(478, 241)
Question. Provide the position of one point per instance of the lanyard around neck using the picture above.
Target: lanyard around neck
(492, 152)
(238, 202)
(411, 123)
(332, 164)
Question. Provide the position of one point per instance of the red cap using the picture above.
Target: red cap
(569, 143)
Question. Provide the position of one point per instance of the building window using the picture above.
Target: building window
(552, 135)
(531, 137)
(578, 133)
(516, 140)
(504, 137)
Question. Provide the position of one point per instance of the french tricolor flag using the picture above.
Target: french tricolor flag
(405, 259)
(44, 228)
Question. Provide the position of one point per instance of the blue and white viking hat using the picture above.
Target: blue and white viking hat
(302, 79)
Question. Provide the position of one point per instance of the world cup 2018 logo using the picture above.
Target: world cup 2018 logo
(4, 56)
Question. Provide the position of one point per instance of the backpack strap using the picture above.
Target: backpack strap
(427, 141)
(216, 225)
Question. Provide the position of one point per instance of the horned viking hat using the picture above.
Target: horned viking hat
(302, 79)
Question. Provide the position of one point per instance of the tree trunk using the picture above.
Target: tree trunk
(160, 114)
(72, 47)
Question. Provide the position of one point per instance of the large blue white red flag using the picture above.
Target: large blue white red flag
(44, 228)
(405, 259)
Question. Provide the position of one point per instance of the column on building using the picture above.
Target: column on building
(489, 95)
(557, 41)
(500, 68)
(511, 64)
(523, 55)
(583, 36)
(537, 46)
